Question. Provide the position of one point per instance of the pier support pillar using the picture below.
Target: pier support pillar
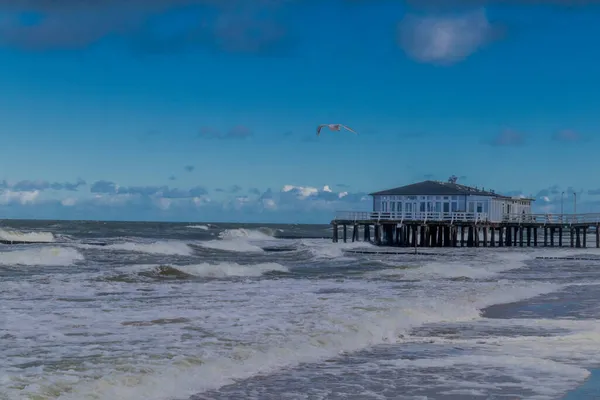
(335, 233)
(377, 229)
(560, 236)
(430, 235)
(345, 233)
(440, 235)
(389, 234)
(521, 235)
(492, 237)
(572, 237)
(367, 233)
(501, 236)
(545, 236)
(462, 236)
(485, 236)
(414, 241)
(577, 238)
(584, 233)
(535, 236)
(598, 235)
(528, 236)
(552, 237)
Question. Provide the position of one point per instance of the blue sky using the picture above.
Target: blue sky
(206, 110)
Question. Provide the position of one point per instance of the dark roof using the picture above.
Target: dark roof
(436, 188)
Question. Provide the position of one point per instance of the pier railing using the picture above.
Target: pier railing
(411, 216)
(567, 219)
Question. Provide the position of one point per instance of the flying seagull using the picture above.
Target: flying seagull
(333, 127)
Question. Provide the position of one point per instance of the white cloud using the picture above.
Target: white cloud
(303, 191)
(68, 202)
(102, 200)
(20, 197)
(290, 203)
(269, 204)
(163, 203)
(444, 39)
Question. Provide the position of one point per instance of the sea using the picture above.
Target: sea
(196, 311)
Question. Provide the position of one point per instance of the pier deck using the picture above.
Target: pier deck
(460, 229)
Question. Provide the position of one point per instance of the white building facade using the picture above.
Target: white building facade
(448, 200)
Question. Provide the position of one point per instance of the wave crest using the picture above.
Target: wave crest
(206, 270)
(161, 247)
(18, 236)
(47, 256)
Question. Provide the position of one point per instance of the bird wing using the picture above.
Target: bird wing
(319, 128)
(351, 130)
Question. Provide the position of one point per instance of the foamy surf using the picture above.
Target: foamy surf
(18, 236)
(201, 227)
(110, 328)
(325, 249)
(49, 256)
(240, 240)
(327, 335)
(459, 269)
(160, 247)
(212, 270)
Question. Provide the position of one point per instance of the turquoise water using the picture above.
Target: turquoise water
(589, 390)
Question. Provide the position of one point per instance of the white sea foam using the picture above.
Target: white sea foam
(50, 256)
(202, 227)
(18, 236)
(459, 269)
(230, 331)
(253, 234)
(233, 245)
(159, 247)
(172, 340)
(325, 249)
(240, 240)
(218, 270)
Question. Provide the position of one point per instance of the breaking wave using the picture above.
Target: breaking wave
(208, 270)
(49, 256)
(17, 236)
(160, 247)
(241, 240)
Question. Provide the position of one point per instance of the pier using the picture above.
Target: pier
(466, 229)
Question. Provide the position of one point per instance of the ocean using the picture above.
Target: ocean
(157, 311)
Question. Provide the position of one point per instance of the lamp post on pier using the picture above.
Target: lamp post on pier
(562, 200)
(574, 205)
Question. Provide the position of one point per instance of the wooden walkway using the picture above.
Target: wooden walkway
(468, 229)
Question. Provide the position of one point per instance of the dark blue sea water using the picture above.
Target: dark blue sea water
(223, 311)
